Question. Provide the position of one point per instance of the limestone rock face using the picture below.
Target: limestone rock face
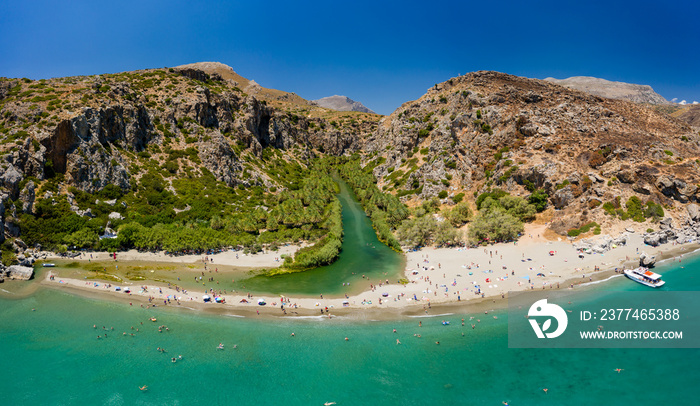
(563, 197)
(80, 147)
(27, 197)
(10, 179)
(693, 212)
(656, 239)
(115, 216)
(19, 272)
(217, 155)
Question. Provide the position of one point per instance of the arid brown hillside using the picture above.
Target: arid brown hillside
(487, 130)
(690, 115)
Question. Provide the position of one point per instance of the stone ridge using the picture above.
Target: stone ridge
(613, 90)
(342, 103)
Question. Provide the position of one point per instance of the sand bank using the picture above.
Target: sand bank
(436, 277)
(264, 259)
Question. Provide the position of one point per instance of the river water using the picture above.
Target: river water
(361, 254)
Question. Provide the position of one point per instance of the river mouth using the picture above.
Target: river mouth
(363, 260)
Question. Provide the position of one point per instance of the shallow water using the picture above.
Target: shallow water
(52, 356)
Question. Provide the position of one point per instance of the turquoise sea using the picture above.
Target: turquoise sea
(51, 356)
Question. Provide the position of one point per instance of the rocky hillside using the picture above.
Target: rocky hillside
(612, 90)
(342, 103)
(196, 148)
(689, 114)
(489, 130)
(150, 141)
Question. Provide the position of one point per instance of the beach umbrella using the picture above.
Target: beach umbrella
(261, 302)
(218, 299)
(551, 252)
(385, 294)
(206, 298)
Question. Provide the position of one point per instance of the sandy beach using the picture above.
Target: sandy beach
(265, 259)
(436, 277)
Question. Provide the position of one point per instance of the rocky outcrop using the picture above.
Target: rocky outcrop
(676, 189)
(217, 156)
(81, 147)
(200, 75)
(27, 197)
(563, 197)
(601, 244)
(19, 272)
(647, 260)
(693, 212)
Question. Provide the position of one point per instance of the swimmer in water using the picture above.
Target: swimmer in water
(144, 387)
(618, 370)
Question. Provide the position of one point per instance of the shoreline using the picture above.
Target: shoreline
(442, 280)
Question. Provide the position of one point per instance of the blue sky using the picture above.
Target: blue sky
(381, 53)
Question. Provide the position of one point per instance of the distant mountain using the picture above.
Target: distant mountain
(220, 71)
(612, 90)
(342, 103)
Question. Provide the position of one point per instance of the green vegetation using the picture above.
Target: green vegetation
(211, 214)
(539, 199)
(424, 230)
(324, 251)
(575, 232)
(636, 210)
(500, 217)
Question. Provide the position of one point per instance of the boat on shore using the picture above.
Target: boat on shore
(645, 277)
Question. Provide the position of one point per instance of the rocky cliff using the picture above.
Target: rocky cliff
(63, 136)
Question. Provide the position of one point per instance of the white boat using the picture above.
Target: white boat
(49, 265)
(645, 277)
